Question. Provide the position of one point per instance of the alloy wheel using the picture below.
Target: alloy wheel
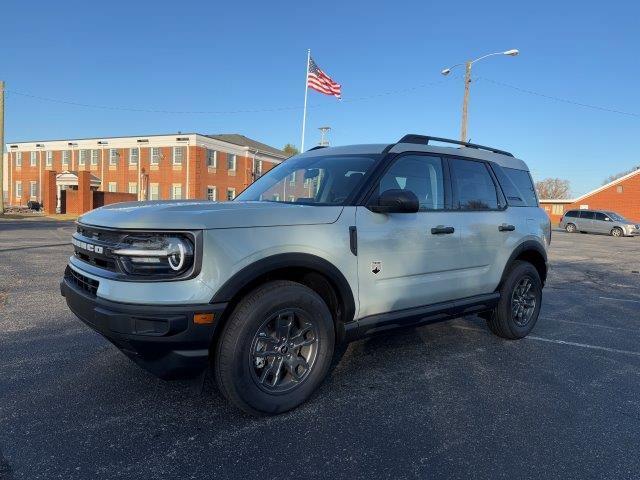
(283, 351)
(523, 301)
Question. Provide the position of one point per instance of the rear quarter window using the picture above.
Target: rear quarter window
(521, 181)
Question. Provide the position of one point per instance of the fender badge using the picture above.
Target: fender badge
(376, 267)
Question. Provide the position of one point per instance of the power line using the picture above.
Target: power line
(559, 99)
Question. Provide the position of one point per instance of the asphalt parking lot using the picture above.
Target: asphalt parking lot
(443, 401)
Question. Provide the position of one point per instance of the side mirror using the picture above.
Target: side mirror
(395, 201)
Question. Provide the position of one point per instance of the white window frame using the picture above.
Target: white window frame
(174, 186)
(18, 159)
(94, 157)
(213, 196)
(82, 159)
(33, 159)
(133, 187)
(156, 155)
(231, 191)
(19, 189)
(132, 156)
(113, 156)
(292, 178)
(175, 160)
(49, 158)
(234, 161)
(152, 187)
(66, 157)
(33, 189)
(215, 158)
(112, 187)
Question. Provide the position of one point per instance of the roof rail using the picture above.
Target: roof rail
(424, 140)
(317, 147)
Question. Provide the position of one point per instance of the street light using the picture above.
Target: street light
(467, 83)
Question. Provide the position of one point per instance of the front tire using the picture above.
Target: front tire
(520, 300)
(275, 349)
(617, 232)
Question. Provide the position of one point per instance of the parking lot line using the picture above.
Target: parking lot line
(619, 299)
(596, 325)
(561, 342)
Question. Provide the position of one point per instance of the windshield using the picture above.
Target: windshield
(616, 216)
(316, 180)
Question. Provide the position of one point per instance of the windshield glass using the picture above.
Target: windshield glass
(316, 180)
(616, 216)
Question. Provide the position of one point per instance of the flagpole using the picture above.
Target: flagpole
(306, 88)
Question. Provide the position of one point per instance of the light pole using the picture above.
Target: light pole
(467, 83)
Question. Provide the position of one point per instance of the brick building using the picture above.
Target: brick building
(621, 196)
(154, 167)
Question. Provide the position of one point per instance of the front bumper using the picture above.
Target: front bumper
(161, 339)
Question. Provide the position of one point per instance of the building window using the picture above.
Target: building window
(84, 155)
(155, 156)
(33, 189)
(18, 159)
(33, 160)
(113, 186)
(276, 197)
(94, 157)
(231, 193)
(134, 156)
(619, 189)
(133, 187)
(231, 161)
(113, 156)
(66, 155)
(178, 154)
(18, 189)
(258, 168)
(49, 158)
(176, 191)
(212, 159)
(212, 194)
(292, 198)
(292, 179)
(557, 209)
(154, 192)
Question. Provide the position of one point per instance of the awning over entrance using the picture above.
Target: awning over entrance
(70, 179)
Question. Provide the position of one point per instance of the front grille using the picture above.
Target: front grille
(84, 283)
(107, 240)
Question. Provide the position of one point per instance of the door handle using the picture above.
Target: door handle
(506, 228)
(441, 230)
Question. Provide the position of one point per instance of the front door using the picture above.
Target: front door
(585, 222)
(407, 260)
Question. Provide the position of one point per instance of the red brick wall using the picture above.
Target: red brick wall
(101, 199)
(165, 174)
(626, 203)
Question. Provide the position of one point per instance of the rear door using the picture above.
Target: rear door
(485, 225)
(408, 260)
(585, 222)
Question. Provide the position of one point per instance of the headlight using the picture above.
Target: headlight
(163, 255)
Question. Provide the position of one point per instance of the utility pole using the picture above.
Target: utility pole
(1, 147)
(465, 102)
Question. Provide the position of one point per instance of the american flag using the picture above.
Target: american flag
(321, 82)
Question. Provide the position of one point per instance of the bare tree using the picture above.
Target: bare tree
(553, 188)
(611, 178)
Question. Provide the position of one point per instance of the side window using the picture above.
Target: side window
(522, 181)
(587, 215)
(601, 216)
(572, 214)
(473, 186)
(419, 174)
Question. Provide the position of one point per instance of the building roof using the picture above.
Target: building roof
(610, 184)
(556, 200)
(243, 141)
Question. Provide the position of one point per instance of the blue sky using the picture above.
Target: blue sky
(232, 56)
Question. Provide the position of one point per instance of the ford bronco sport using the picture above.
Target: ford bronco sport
(330, 246)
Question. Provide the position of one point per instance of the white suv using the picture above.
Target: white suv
(330, 246)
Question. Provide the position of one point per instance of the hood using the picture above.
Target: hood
(202, 215)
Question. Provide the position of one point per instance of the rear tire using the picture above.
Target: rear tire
(275, 349)
(617, 232)
(520, 298)
(570, 228)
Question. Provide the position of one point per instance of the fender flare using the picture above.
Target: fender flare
(527, 245)
(264, 266)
